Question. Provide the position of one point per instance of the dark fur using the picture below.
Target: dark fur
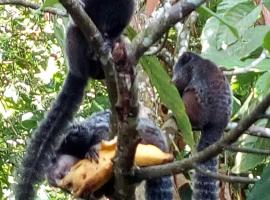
(207, 97)
(88, 133)
(111, 17)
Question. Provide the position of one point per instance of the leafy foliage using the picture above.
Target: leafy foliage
(261, 188)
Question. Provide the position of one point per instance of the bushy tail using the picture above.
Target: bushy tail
(205, 187)
(46, 136)
(159, 188)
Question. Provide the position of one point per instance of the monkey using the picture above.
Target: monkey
(80, 140)
(207, 97)
(110, 17)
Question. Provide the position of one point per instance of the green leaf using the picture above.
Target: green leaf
(267, 4)
(245, 162)
(223, 59)
(252, 40)
(209, 34)
(50, 3)
(263, 84)
(242, 15)
(169, 95)
(261, 188)
(228, 4)
(29, 124)
(225, 22)
(266, 41)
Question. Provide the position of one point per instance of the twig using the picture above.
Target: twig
(160, 46)
(211, 151)
(159, 26)
(253, 130)
(249, 68)
(33, 6)
(231, 179)
(247, 150)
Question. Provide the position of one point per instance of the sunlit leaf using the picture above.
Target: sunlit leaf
(168, 95)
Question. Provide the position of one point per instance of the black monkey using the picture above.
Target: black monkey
(80, 138)
(110, 17)
(207, 97)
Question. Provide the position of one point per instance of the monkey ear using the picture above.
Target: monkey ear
(185, 58)
(188, 57)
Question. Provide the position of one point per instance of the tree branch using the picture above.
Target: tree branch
(249, 68)
(127, 108)
(211, 151)
(247, 150)
(142, 42)
(33, 6)
(231, 179)
(253, 130)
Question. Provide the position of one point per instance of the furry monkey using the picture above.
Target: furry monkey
(208, 102)
(80, 141)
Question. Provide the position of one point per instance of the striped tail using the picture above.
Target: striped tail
(159, 188)
(205, 187)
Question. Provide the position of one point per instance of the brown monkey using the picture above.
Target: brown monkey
(207, 98)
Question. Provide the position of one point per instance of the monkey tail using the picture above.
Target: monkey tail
(205, 187)
(159, 188)
(45, 138)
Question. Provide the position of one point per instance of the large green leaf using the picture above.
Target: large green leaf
(267, 3)
(50, 3)
(228, 4)
(168, 95)
(261, 188)
(252, 39)
(243, 15)
(227, 23)
(224, 59)
(245, 162)
(263, 84)
(209, 35)
(266, 41)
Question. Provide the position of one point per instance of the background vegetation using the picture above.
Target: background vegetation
(233, 34)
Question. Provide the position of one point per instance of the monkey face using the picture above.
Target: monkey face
(59, 168)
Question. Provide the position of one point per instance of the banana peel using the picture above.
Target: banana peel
(88, 176)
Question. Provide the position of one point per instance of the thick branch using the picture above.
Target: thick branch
(157, 28)
(127, 109)
(32, 6)
(211, 151)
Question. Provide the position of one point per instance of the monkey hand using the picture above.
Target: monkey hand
(93, 153)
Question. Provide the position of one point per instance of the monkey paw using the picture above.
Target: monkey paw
(93, 153)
